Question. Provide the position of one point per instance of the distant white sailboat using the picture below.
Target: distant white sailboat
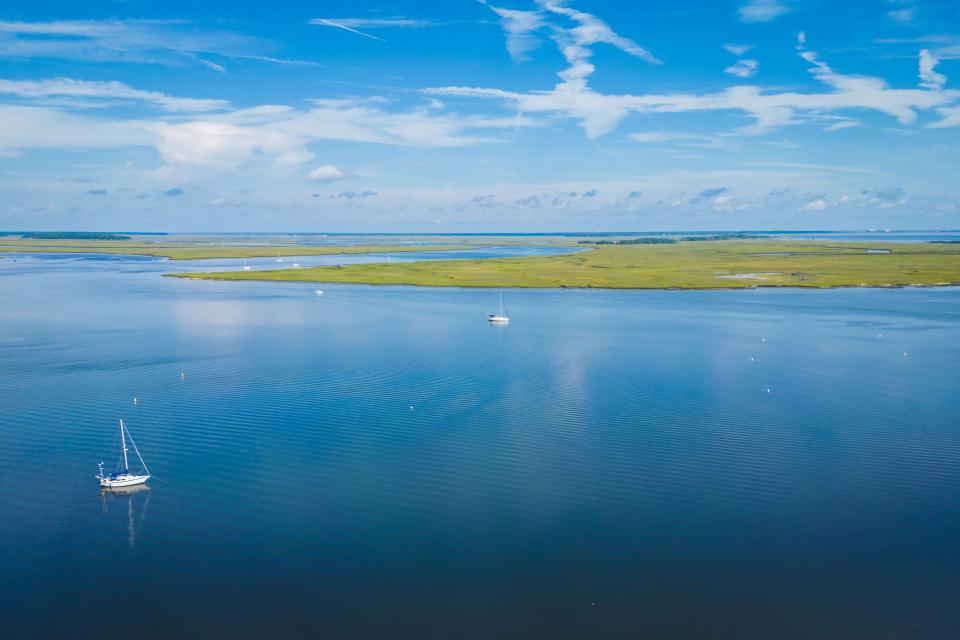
(500, 317)
(123, 477)
(246, 267)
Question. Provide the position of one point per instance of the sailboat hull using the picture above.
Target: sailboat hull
(126, 480)
(498, 319)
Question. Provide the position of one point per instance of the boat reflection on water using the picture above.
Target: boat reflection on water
(119, 495)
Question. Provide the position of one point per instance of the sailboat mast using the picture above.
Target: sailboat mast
(123, 442)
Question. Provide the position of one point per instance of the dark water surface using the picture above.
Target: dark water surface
(379, 462)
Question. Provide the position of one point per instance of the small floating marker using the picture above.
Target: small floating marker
(751, 358)
(319, 292)
(904, 354)
(411, 407)
(763, 339)
(767, 390)
(135, 397)
(879, 335)
(182, 375)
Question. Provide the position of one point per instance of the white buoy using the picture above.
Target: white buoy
(135, 397)
(763, 339)
(904, 354)
(751, 358)
(319, 292)
(182, 375)
(411, 407)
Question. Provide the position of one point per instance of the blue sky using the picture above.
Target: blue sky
(480, 116)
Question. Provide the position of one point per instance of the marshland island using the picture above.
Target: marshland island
(718, 261)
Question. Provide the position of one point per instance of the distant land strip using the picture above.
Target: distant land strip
(199, 251)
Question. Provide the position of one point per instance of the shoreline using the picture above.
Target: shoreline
(936, 285)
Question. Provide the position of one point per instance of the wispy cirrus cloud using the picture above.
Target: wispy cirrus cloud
(104, 92)
(362, 23)
(323, 22)
(164, 42)
(354, 25)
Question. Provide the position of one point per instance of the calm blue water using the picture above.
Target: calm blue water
(379, 462)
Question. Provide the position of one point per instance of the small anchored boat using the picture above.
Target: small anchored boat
(500, 317)
(124, 477)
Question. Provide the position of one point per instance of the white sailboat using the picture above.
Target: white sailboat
(123, 477)
(246, 267)
(500, 317)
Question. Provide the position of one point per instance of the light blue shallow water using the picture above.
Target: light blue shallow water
(379, 461)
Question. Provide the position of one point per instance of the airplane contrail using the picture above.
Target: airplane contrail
(331, 23)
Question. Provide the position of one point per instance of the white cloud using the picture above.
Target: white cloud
(23, 127)
(679, 137)
(601, 113)
(817, 168)
(763, 10)
(738, 49)
(903, 16)
(843, 124)
(746, 68)
(869, 92)
(929, 78)
(281, 61)
(225, 146)
(950, 117)
(267, 135)
(219, 68)
(326, 173)
(590, 30)
(520, 27)
(597, 113)
(109, 91)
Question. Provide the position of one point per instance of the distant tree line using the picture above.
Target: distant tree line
(632, 241)
(70, 235)
(662, 240)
